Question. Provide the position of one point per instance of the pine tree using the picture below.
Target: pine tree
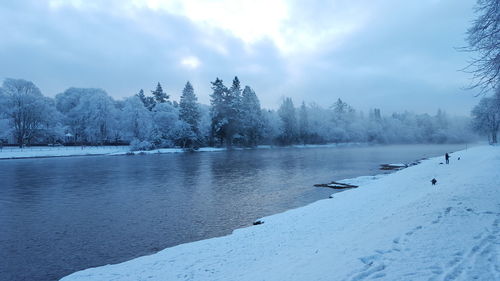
(148, 102)
(289, 122)
(218, 111)
(233, 113)
(189, 111)
(159, 95)
(303, 124)
(251, 117)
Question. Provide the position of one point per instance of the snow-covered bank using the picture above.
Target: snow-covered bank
(394, 227)
(61, 151)
(65, 151)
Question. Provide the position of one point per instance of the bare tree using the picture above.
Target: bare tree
(484, 40)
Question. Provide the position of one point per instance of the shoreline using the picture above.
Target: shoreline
(76, 151)
(308, 230)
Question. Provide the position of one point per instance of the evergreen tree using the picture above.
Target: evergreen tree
(189, 111)
(148, 102)
(218, 111)
(343, 116)
(303, 124)
(251, 120)
(159, 95)
(233, 113)
(289, 122)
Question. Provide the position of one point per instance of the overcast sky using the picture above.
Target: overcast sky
(389, 54)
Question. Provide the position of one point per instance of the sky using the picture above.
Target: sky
(388, 54)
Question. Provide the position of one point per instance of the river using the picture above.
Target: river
(60, 215)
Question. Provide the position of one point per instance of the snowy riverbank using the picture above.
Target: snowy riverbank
(66, 151)
(394, 227)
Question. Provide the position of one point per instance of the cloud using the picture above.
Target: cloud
(191, 62)
(370, 53)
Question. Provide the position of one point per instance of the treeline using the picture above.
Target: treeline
(147, 121)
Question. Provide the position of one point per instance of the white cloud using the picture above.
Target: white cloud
(190, 62)
(281, 21)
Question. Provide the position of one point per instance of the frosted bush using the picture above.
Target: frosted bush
(136, 145)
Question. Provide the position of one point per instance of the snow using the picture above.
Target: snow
(60, 151)
(64, 151)
(44, 151)
(393, 227)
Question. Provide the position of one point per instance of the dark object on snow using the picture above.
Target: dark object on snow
(386, 167)
(257, 222)
(397, 167)
(433, 181)
(458, 158)
(336, 185)
(447, 158)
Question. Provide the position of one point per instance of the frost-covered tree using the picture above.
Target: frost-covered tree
(165, 120)
(159, 95)
(289, 122)
(205, 124)
(343, 115)
(147, 101)
(486, 117)
(375, 127)
(29, 112)
(483, 38)
(271, 126)
(218, 111)
(90, 114)
(136, 121)
(233, 111)
(184, 135)
(251, 117)
(303, 124)
(189, 112)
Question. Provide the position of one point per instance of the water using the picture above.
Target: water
(60, 215)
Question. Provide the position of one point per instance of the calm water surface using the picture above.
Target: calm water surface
(60, 215)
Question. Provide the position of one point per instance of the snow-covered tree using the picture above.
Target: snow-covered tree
(218, 111)
(189, 113)
(483, 38)
(136, 121)
(486, 116)
(289, 122)
(165, 120)
(90, 114)
(184, 135)
(28, 111)
(233, 111)
(147, 101)
(159, 95)
(251, 117)
(303, 124)
(343, 115)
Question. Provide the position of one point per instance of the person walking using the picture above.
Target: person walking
(447, 158)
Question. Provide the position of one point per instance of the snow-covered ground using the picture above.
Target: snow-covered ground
(394, 227)
(59, 151)
(63, 151)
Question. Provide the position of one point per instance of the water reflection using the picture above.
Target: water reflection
(60, 215)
